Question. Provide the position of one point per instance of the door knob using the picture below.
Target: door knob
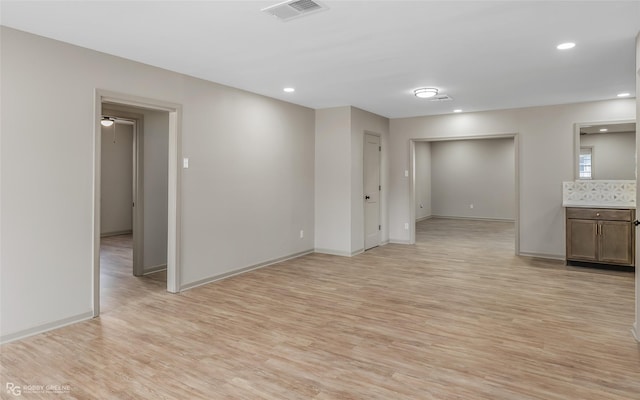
(367, 197)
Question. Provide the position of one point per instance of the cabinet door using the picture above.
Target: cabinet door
(615, 242)
(582, 242)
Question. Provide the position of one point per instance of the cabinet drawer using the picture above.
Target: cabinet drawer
(600, 214)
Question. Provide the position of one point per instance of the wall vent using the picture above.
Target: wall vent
(291, 9)
(441, 97)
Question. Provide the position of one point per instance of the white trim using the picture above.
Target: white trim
(424, 218)
(46, 327)
(559, 257)
(174, 175)
(400, 241)
(635, 333)
(412, 195)
(471, 218)
(153, 269)
(116, 233)
(174, 226)
(341, 253)
(243, 270)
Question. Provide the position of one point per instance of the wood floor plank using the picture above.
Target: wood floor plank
(456, 316)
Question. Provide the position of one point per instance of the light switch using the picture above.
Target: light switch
(185, 162)
(406, 173)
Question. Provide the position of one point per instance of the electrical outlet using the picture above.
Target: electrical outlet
(406, 226)
(301, 234)
(471, 205)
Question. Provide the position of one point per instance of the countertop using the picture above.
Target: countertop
(582, 204)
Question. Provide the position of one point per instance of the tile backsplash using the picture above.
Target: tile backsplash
(599, 192)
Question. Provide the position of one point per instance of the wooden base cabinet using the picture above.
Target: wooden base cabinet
(601, 235)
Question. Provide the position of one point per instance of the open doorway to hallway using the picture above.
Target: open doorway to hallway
(471, 182)
(153, 245)
(133, 226)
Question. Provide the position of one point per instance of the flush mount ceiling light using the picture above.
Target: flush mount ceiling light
(566, 46)
(457, 111)
(289, 89)
(603, 130)
(106, 121)
(624, 94)
(425, 93)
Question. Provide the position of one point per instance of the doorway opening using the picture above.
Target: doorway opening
(151, 248)
(466, 179)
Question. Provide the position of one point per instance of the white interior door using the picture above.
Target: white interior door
(371, 191)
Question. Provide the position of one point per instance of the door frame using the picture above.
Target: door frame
(174, 184)
(412, 178)
(364, 211)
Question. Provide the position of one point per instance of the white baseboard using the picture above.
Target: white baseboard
(634, 332)
(116, 233)
(45, 327)
(332, 252)
(338, 252)
(154, 269)
(399, 241)
(473, 218)
(560, 257)
(384, 242)
(242, 270)
(424, 218)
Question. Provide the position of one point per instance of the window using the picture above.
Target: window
(586, 162)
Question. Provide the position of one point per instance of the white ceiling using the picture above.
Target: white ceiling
(369, 54)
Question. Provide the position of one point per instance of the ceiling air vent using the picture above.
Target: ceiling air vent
(289, 10)
(440, 97)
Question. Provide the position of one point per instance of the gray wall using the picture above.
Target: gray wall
(546, 148)
(423, 180)
(339, 186)
(247, 194)
(116, 182)
(333, 180)
(614, 154)
(473, 172)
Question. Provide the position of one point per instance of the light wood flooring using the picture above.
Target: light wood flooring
(457, 316)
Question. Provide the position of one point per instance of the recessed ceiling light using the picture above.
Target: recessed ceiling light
(624, 94)
(566, 46)
(425, 93)
(289, 89)
(603, 129)
(457, 111)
